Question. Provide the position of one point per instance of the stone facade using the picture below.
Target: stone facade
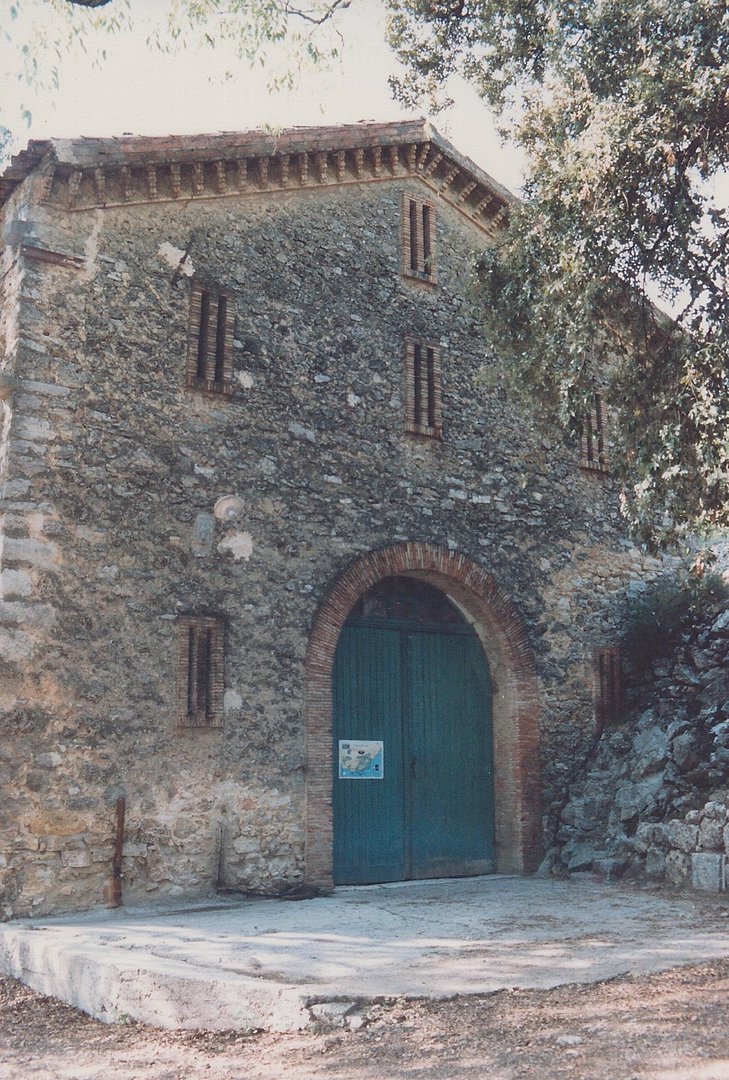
(134, 497)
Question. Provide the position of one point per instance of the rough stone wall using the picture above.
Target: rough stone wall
(654, 791)
(114, 471)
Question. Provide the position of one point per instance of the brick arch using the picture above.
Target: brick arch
(515, 703)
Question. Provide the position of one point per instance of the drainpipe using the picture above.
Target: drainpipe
(220, 877)
(114, 892)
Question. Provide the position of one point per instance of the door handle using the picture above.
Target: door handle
(412, 767)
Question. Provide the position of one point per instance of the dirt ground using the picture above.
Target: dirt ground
(670, 1026)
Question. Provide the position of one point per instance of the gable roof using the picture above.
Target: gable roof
(84, 173)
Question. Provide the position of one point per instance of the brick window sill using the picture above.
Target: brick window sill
(594, 469)
(203, 724)
(427, 433)
(209, 386)
(421, 279)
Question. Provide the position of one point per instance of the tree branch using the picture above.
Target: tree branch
(299, 14)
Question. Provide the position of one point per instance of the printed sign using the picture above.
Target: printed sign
(361, 759)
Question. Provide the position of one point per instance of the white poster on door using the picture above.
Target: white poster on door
(361, 759)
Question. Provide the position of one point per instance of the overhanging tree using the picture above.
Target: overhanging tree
(623, 110)
(251, 28)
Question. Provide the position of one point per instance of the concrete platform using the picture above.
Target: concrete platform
(279, 964)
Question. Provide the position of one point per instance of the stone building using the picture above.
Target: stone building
(269, 534)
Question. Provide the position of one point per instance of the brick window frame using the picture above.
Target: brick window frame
(423, 388)
(593, 447)
(607, 687)
(210, 339)
(201, 670)
(418, 239)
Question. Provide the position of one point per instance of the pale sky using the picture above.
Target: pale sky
(142, 91)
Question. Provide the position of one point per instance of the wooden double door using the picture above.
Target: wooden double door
(412, 697)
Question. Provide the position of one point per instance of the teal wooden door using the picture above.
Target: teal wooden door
(369, 835)
(421, 687)
(451, 800)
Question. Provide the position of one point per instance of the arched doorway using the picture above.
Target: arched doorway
(413, 776)
(488, 608)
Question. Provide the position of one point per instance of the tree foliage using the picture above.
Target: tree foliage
(654, 617)
(252, 30)
(623, 109)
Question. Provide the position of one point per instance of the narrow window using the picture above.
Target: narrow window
(423, 412)
(201, 671)
(418, 383)
(426, 215)
(414, 261)
(430, 353)
(607, 687)
(418, 240)
(192, 670)
(594, 454)
(220, 333)
(210, 340)
(202, 334)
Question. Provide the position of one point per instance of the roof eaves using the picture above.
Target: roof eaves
(139, 167)
(22, 164)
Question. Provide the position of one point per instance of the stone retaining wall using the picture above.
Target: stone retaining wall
(651, 799)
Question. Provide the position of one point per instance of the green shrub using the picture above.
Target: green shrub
(654, 618)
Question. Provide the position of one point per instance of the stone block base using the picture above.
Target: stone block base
(708, 871)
